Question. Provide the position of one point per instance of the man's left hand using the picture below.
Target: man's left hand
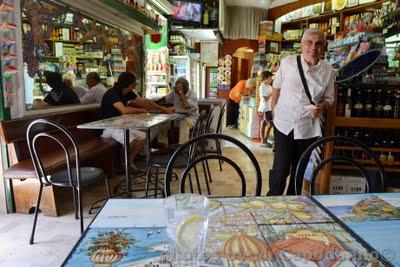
(316, 112)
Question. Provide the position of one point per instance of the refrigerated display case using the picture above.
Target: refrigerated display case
(188, 67)
(157, 69)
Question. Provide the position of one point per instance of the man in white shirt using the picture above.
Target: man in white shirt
(297, 122)
(264, 108)
(184, 100)
(96, 89)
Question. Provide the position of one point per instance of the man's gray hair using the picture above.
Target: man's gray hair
(309, 32)
(184, 82)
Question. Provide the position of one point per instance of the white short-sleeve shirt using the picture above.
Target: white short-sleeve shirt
(174, 98)
(264, 90)
(290, 112)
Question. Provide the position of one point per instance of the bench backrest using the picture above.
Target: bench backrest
(13, 132)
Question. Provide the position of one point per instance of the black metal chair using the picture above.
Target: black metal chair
(218, 131)
(205, 157)
(73, 176)
(304, 159)
(160, 161)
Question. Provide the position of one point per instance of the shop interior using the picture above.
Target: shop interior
(214, 45)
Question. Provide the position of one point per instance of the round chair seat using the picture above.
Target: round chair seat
(88, 176)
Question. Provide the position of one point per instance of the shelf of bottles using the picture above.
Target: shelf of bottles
(370, 113)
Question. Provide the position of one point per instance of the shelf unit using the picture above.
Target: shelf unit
(304, 23)
(367, 124)
(133, 13)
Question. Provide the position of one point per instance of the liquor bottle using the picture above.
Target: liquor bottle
(396, 109)
(358, 106)
(369, 142)
(368, 107)
(347, 107)
(206, 16)
(379, 104)
(355, 153)
(214, 15)
(341, 104)
(388, 107)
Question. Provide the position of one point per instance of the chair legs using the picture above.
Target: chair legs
(75, 202)
(39, 198)
(80, 208)
(108, 192)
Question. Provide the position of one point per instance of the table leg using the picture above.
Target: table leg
(127, 147)
(148, 149)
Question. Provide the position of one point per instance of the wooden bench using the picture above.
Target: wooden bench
(94, 151)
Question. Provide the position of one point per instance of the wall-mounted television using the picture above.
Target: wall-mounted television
(187, 11)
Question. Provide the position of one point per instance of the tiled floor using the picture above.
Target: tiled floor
(55, 237)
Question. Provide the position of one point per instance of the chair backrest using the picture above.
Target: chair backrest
(45, 129)
(220, 117)
(202, 158)
(343, 140)
(209, 120)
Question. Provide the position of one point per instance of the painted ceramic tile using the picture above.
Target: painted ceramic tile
(325, 244)
(286, 210)
(236, 246)
(231, 211)
(357, 208)
(121, 247)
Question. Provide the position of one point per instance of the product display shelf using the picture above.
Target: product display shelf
(303, 23)
(363, 124)
(131, 12)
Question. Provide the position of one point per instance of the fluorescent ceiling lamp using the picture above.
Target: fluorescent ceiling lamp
(199, 34)
(162, 5)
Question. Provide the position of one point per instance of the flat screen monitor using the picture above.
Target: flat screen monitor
(187, 11)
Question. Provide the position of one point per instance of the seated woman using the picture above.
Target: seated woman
(184, 100)
(116, 101)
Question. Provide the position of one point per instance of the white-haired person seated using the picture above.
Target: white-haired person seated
(184, 100)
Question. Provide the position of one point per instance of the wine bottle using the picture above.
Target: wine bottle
(388, 107)
(396, 109)
(358, 106)
(379, 104)
(206, 16)
(368, 107)
(341, 105)
(347, 108)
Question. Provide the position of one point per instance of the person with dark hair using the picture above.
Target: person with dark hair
(61, 93)
(96, 89)
(119, 100)
(184, 100)
(264, 108)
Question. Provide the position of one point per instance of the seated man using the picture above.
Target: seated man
(115, 102)
(184, 100)
(96, 89)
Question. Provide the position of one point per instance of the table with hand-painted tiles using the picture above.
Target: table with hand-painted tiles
(251, 231)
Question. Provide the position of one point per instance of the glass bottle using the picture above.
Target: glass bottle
(396, 109)
(368, 107)
(388, 107)
(214, 15)
(358, 105)
(206, 15)
(347, 108)
(341, 104)
(379, 104)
